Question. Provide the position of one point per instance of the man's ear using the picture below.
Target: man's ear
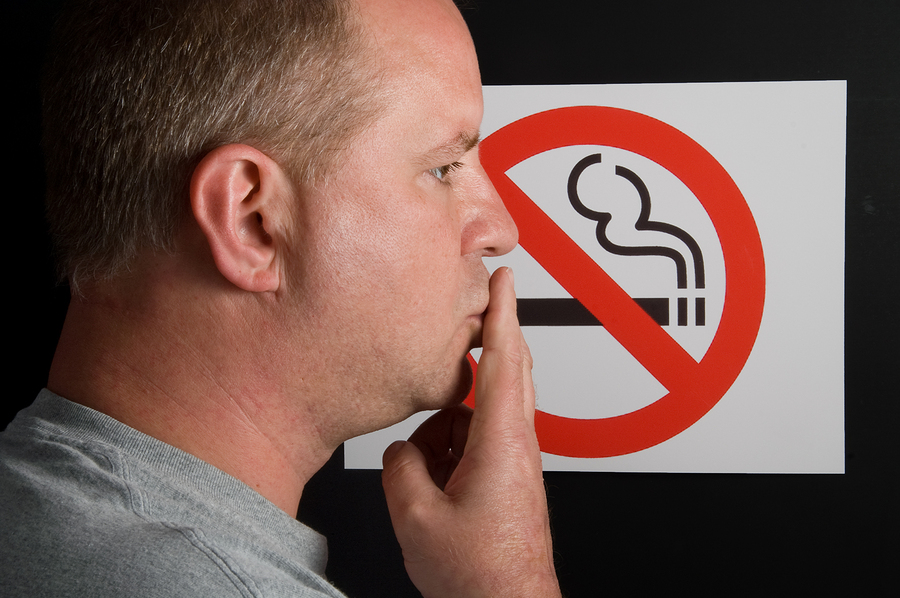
(236, 193)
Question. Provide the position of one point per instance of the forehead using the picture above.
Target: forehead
(410, 36)
(428, 24)
(426, 62)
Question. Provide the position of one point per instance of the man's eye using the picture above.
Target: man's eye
(441, 172)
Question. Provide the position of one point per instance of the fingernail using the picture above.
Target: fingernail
(512, 277)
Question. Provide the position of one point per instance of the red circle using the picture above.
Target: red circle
(693, 388)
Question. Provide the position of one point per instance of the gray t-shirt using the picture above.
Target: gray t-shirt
(92, 507)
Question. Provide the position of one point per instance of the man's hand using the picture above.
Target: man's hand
(470, 510)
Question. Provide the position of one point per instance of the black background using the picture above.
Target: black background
(618, 534)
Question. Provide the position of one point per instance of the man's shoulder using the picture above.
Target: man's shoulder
(67, 549)
(69, 530)
(97, 560)
(87, 515)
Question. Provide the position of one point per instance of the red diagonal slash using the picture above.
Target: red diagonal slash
(580, 275)
(694, 388)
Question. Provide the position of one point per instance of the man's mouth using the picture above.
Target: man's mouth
(476, 341)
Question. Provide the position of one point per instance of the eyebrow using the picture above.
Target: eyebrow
(467, 141)
(461, 144)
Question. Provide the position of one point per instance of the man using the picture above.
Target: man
(272, 215)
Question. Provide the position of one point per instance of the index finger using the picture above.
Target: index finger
(503, 386)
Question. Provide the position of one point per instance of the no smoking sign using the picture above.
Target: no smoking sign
(679, 273)
(693, 387)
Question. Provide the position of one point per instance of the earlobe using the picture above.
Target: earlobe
(235, 191)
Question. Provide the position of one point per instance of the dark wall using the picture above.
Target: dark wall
(623, 533)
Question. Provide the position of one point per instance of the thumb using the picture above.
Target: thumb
(405, 479)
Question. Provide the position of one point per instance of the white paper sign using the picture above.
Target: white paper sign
(718, 210)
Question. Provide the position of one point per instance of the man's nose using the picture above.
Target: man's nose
(491, 231)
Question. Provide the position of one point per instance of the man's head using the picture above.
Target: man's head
(337, 303)
(139, 92)
(377, 274)
(406, 220)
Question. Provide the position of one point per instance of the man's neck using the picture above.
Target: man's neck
(186, 373)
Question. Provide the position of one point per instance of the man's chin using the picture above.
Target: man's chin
(456, 392)
(466, 378)
(453, 393)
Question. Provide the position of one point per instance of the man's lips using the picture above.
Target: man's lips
(483, 302)
(476, 341)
